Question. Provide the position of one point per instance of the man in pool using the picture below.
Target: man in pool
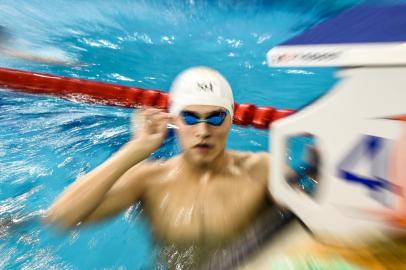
(203, 197)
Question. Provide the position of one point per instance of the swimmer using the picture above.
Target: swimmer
(197, 201)
(6, 50)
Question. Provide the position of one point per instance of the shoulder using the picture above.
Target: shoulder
(147, 168)
(251, 159)
(255, 164)
(137, 177)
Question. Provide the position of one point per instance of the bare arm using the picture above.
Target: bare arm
(87, 193)
(112, 186)
(128, 189)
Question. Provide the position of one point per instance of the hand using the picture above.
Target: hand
(150, 127)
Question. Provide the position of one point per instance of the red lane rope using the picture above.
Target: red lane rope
(120, 95)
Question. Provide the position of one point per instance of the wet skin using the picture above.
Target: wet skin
(203, 197)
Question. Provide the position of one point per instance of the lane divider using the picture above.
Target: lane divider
(120, 95)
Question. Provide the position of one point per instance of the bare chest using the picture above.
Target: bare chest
(189, 211)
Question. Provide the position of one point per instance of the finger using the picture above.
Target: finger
(158, 121)
(159, 117)
(159, 124)
(150, 115)
(137, 121)
(148, 119)
(171, 117)
(135, 113)
(136, 116)
(161, 128)
(155, 119)
(151, 111)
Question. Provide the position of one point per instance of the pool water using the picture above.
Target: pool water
(46, 142)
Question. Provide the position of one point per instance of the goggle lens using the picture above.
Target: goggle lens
(215, 119)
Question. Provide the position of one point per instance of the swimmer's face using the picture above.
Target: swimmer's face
(202, 142)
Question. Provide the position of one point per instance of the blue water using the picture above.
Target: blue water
(46, 143)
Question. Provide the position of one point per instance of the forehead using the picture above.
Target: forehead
(203, 109)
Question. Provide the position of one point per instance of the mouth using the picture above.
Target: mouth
(203, 146)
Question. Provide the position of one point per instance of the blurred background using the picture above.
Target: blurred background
(46, 142)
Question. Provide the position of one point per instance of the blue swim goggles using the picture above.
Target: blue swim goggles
(215, 119)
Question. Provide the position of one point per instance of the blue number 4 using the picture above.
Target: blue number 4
(367, 164)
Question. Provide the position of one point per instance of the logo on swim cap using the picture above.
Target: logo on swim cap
(205, 87)
(200, 86)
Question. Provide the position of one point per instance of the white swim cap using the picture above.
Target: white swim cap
(200, 86)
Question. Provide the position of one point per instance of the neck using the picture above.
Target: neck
(215, 166)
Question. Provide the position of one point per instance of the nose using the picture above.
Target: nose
(202, 130)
